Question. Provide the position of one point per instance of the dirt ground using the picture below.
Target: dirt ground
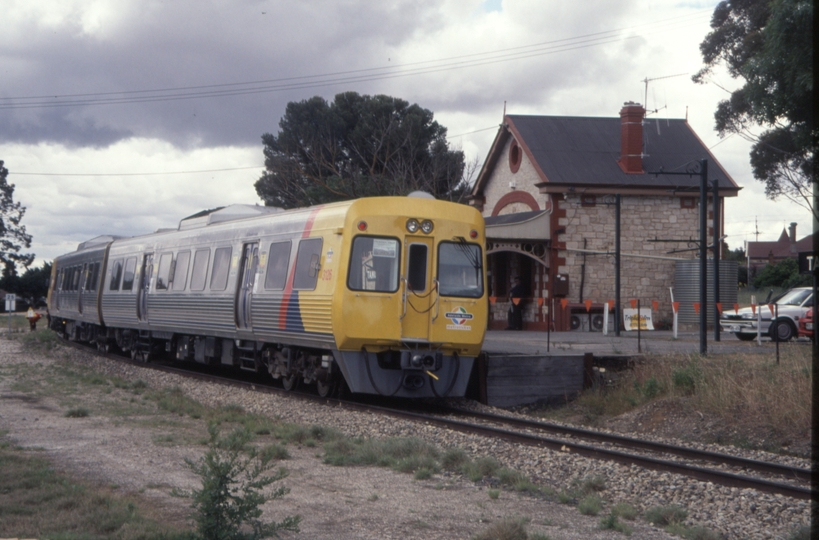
(341, 503)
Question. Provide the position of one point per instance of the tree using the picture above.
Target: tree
(357, 146)
(13, 237)
(768, 44)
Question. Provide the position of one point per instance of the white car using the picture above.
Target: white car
(791, 306)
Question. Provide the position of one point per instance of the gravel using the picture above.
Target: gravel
(355, 503)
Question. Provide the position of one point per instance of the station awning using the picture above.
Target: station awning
(519, 226)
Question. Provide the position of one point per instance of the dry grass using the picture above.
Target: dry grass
(750, 393)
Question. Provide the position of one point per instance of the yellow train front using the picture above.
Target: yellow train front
(410, 309)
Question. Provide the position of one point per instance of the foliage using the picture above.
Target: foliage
(31, 287)
(233, 482)
(783, 274)
(768, 44)
(13, 237)
(357, 146)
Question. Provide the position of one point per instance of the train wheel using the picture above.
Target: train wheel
(325, 389)
(104, 347)
(290, 382)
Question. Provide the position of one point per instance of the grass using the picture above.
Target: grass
(73, 509)
(748, 392)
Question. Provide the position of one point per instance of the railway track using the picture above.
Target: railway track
(763, 476)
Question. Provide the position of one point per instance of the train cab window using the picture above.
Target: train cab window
(180, 272)
(221, 267)
(307, 264)
(460, 269)
(163, 274)
(374, 264)
(116, 275)
(278, 259)
(200, 270)
(128, 274)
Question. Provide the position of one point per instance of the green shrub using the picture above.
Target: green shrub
(234, 477)
(590, 505)
(610, 522)
(666, 515)
(625, 511)
(77, 412)
(506, 529)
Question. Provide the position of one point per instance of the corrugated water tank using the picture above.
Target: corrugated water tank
(687, 288)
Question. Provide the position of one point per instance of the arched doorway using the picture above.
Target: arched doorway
(507, 259)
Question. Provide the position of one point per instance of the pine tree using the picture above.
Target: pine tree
(13, 236)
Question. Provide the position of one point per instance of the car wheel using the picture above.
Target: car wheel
(782, 330)
(745, 337)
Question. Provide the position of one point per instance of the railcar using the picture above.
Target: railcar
(384, 294)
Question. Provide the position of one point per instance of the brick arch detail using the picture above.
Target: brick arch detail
(515, 197)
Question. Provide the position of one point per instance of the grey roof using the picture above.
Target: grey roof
(584, 151)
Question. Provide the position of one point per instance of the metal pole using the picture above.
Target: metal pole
(717, 250)
(618, 313)
(703, 255)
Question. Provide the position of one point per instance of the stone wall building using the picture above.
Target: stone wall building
(549, 190)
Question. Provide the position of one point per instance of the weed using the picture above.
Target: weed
(234, 476)
(665, 515)
(506, 529)
(77, 412)
(454, 458)
(494, 494)
(625, 511)
(590, 505)
(610, 522)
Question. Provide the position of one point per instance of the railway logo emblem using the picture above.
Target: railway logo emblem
(459, 318)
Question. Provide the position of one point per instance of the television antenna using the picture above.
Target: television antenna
(647, 80)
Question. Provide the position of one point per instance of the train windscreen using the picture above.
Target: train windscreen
(460, 269)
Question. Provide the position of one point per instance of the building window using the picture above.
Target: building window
(688, 202)
(515, 156)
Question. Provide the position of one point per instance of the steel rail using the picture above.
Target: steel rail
(788, 471)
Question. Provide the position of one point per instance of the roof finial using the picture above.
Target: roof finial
(504, 108)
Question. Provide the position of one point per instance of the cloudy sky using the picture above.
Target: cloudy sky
(123, 116)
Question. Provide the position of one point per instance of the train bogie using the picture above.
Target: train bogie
(386, 293)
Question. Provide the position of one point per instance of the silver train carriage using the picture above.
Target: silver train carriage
(385, 293)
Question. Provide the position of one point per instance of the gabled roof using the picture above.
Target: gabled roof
(576, 151)
(780, 249)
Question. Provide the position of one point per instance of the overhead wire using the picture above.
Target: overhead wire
(346, 77)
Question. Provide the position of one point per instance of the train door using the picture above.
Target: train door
(144, 286)
(420, 296)
(81, 288)
(247, 283)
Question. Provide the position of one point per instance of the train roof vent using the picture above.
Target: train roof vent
(98, 241)
(226, 213)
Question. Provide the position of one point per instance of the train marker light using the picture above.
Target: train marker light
(412, 225)
(362, 225)
(426, 226)
(473, 234)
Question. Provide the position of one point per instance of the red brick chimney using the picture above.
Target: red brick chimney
(792, 237)
(631, 138)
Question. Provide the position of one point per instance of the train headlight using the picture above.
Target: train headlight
(413, 225)
(426, 226)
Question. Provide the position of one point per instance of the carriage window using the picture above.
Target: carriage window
(75, 281)
(67, 281)
(221, 267)
(116, 274)
(164, 272)
(307, 264)
(128, 274)
(180, 273)
(89, 277)
(460, 269)
(200, 270)
(277, 260)
(373, 264)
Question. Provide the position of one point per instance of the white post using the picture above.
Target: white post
(673, 313)
(606, 319)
